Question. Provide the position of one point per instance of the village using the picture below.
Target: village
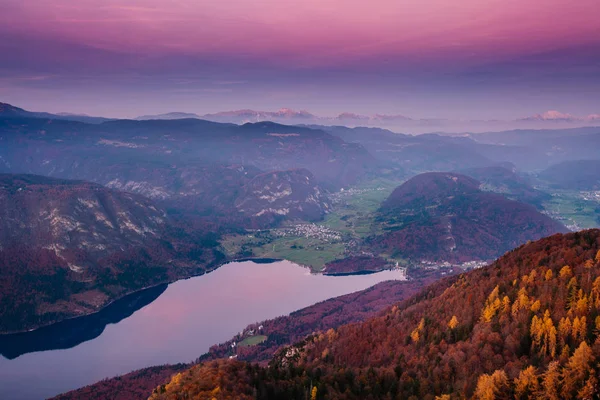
(312, 231)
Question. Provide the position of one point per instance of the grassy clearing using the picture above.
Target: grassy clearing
(576, 213)
(252, 341)
(311, 252)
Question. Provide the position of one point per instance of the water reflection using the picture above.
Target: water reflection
(72, 332)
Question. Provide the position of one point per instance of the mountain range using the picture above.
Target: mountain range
(393, 121)
(401, 123)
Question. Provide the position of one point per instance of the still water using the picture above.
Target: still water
(166, 324)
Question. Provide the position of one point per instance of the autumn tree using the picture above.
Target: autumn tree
(453, 323)
(489, 386)
(577, 369)
(549, 389)
(527, 383)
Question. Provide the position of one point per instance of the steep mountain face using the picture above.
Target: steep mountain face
(525, 327)
(292, 193)
(67, 248)
(574, 175)
(505, 181)
(446, 217)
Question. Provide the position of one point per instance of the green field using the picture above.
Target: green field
(352, 217)
(310, 252)
(252, 341)
(573, 211)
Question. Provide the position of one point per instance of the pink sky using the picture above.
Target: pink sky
(303, 54)
(312, 31)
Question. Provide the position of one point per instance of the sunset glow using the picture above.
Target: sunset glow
(302, 54)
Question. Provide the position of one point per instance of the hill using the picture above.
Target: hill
(447, 217)
(68, 248)
(574, 175)
(524, 327)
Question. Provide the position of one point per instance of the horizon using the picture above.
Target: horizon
(401, 124)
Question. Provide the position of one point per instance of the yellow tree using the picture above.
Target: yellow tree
(453, 323)
(313, 393)
(596, 292)
(544, 334)
(489, 386)
(565, 272)
(576, 370)
(521, 303)
(549, 389)
(589, 391)
(564, 330)
(527, 383)
(492, 305)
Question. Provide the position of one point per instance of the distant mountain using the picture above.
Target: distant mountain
(292, 194)
(499, 179)
(10, 111)
(284, 115)
(552, 116)
(447, 217)
(574, 175)
(171, 115)
(535, 149)
(403, 123)
(521, 328)
(557, 116)
(67, 248)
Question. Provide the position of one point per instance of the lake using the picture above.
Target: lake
(163, 325)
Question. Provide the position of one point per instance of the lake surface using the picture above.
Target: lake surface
(163, 325)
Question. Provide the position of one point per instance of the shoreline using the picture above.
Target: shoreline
(259, 260)
(124, 295)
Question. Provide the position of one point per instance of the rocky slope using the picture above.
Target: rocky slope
(446, 217)
(292, 193)
(525, 327)
(67, 248)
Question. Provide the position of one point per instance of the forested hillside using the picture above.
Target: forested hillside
(526, 327)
